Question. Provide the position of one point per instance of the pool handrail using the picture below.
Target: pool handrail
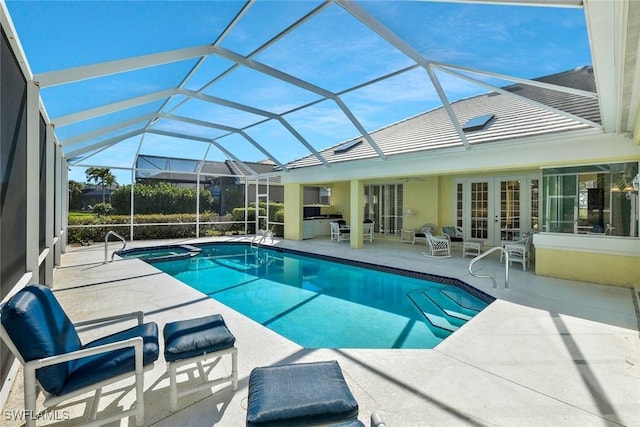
(488, 276)
(261, 236)
(106, 245)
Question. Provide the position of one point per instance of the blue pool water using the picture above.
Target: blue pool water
(322, 304)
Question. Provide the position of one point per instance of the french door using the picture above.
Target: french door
(493, 209)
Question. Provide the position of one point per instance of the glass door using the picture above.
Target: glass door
(497, 208)
(508, 214)
(384, 205)
(480, 210)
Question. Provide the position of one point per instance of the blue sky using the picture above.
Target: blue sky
(332, 50)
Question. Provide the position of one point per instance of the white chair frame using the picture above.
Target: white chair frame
(337, 235)
(206, 383)
(367, 231)
(519, 251)
(440, 246)
(519, 255)
(31, 384)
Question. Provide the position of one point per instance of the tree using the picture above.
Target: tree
(75, 191)
(101, 176)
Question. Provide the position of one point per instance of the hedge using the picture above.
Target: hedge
(160, 198)
(121, 225)
(276, 214)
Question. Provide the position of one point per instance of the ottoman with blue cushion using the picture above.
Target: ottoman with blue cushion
(300, 394)
(193, 341)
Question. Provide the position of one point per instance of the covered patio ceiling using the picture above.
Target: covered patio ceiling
(281, 80)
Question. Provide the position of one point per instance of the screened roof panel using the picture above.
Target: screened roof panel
(216, 114)
(98, 31)
(315, 52)
(374, 104)
(182, 128)
(286, 57)
(275, 137)
(100, 122)
(160, 145)
(237, 143)
(121, 155)
(209, 69)
(261, 91)
(322, 123)
(497, 38)
(263, 21)
(105, 90)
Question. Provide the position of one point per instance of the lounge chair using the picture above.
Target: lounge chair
(40, 335)
(339, 233)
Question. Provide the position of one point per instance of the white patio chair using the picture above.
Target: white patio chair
(339, 234)
(520, 252)
(367, 230)
(420, 235)
(440, 246)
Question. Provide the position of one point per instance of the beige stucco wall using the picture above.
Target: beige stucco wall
(293, 201)
(600, 268)
(421, 196)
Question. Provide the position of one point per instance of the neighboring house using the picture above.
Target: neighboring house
(92, 195)
(227, 181)
(534, 159)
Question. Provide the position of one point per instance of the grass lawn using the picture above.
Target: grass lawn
(77, 214)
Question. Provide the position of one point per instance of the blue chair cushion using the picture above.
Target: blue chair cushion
(39, 327)
(93, 369)
(299, 394)
(194, 337)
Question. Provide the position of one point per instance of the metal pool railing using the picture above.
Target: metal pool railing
(506, 267)
(106, 244)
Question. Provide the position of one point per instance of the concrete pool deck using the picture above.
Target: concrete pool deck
(547, 352)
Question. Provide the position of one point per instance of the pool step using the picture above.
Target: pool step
(464, 299)
(432, 312)
(450, 305)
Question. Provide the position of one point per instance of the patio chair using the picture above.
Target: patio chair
(367, 230)
(420, 235)
(455, 233)
(339, 233)
(440, 246)
(40, 335)
(520, 251)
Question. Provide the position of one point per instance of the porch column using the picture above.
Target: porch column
(356, 216)
(293, 201)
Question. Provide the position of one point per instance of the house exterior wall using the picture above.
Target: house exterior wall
(430, 188)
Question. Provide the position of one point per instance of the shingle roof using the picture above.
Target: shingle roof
(514, 118)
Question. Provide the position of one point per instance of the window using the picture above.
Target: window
(597, 199)
(478, 123)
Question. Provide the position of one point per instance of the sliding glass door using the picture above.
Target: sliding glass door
(384, 205)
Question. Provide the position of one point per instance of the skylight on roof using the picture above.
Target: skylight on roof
(346, 146)
(478, 123)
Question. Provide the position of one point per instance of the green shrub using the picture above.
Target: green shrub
(161, 198)
(95, 228)
(276, 214)
(102, 209)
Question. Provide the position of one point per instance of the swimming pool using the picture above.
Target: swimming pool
(319, 303)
